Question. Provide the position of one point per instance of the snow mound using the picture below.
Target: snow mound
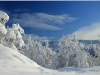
(13, 56)
(14, 63)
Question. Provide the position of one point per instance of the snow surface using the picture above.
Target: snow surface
(14, 63)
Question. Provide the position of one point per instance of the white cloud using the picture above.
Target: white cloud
(89, 33)
(58, 19)
(41, 20)
(35, 37)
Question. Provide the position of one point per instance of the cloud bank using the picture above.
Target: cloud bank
(42, 20)
(89, 32)
(35, 37)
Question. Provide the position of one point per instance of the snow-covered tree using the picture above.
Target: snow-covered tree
(3, 19)
(18, 33)
(14, 36)
(69, 53)
(38, 53)
(10, 38)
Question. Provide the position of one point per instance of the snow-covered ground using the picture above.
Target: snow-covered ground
(14, 63)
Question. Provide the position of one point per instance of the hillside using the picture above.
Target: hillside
(14, 63)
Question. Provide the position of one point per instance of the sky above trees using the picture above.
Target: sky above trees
(52, 19)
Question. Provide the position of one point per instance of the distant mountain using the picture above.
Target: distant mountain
(54, 44)
(89, 41)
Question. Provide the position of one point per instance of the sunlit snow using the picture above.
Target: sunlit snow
(71, 59)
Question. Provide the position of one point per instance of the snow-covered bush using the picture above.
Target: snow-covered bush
(3, 32)
(3, 19)
(40, 54)
(10, 38)
(70, 53)
(19, 43)
(14, 36)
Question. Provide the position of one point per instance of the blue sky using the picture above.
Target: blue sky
(52, 19)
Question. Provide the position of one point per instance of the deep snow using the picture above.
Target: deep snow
(14, 63)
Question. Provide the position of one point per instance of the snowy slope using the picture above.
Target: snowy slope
(14, 63)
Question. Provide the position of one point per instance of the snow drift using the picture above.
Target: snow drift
(14, 63)
(11, 61)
